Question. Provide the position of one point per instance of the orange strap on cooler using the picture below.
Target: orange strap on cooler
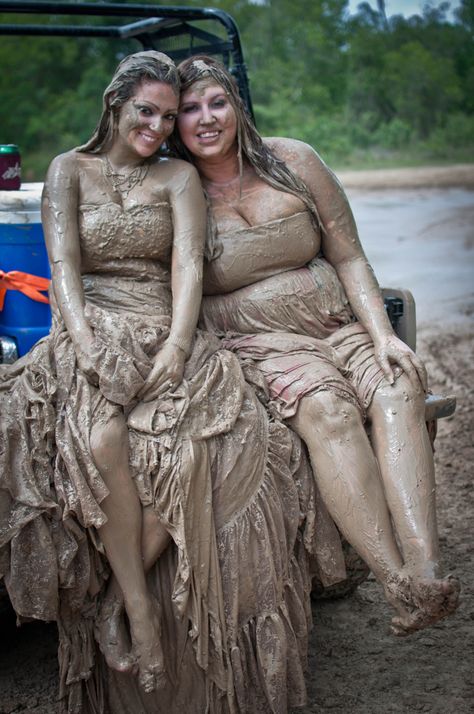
(29, 285)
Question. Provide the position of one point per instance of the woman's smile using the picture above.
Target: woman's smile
(208, 135)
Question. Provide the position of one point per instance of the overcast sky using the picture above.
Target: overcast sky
(394, 7)
(401, 7)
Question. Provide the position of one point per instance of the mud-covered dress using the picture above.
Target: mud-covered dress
(231, 486)
(296, 326)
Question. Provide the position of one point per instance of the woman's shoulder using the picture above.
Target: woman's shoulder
(174, 172)
(67, 162)
(290, 149)
(63, 167)
(300, 157)
(173, 165)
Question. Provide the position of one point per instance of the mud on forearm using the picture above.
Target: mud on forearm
(365, 297)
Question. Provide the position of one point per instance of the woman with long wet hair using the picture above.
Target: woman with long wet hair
(288, 288)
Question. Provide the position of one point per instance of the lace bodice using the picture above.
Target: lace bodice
(129, 241)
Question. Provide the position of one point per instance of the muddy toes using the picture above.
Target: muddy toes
(112, 636)
(151, 668)
(152, 677)
(148, 651)
(438, 598)
(404, 626)
(429, 601)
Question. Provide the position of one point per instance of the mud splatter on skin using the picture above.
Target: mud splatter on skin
(144, 123)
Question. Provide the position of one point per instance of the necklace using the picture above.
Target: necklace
(124, 183)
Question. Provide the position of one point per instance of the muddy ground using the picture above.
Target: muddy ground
(355, 665)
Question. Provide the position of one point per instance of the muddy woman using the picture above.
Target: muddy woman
(288, 287)
(99, 249)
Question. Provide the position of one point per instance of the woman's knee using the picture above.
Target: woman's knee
(400, 397)
(328, 411)
(108, 440)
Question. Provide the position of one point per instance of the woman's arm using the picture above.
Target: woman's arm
(342, 248)
(189, 233)
(59, 217)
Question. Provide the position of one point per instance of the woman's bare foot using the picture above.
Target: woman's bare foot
(434, 599)
(112, 636)
(420, 602)
(147, 649)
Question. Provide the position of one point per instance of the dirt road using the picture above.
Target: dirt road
(422, 239)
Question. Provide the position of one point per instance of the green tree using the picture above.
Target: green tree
(423, 87)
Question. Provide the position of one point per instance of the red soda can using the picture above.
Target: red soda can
(10, 167)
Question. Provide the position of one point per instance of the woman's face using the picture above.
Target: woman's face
(147, 119)
(207, 121)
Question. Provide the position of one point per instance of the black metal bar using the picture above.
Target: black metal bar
(114, 9)
(134, 29)
(109, 9)
(60, 31)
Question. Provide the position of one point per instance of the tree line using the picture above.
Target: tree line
(364, 89)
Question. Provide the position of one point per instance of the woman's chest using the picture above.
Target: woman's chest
(110, 230)
(254, 204)
(112, 225)
(249, 254)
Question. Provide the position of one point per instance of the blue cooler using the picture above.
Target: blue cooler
(23, 321)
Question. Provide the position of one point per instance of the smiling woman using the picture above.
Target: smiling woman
(289, 289)
(100, 249)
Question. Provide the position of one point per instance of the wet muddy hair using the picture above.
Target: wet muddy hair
(130, 73)
(251, 147)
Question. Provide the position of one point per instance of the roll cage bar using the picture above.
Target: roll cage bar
(166, 28)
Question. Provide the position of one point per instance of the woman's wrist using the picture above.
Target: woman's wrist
(381, 335)
(81, 335)
(182, 343)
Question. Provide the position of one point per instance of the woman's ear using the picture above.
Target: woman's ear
(109, 101)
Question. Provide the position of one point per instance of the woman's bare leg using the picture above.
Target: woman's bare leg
(121, 536)
(348, 479)
(401, 444)
(112, 631)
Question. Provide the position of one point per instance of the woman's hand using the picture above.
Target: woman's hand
(83, 346)
(391, 350)
(166, 373)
